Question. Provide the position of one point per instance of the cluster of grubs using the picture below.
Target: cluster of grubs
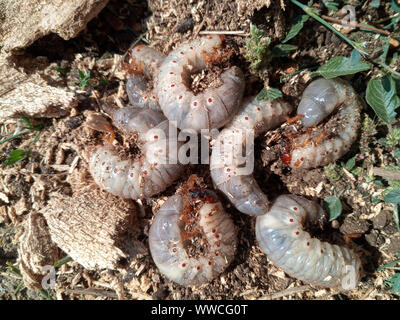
(160, 95)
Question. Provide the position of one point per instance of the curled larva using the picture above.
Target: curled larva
(231, 172)
(170, 244)
(281, 236)
(144, 62)
(320, 99)
(146, 174)
(209, 109)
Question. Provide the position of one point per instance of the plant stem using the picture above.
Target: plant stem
(312, 14)
(15, 136)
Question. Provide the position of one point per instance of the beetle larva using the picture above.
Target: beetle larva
(147, 174)
(319, 100)
(227, 173)
(169, 243)
(281, 236)
(213, 107)
(144, 62)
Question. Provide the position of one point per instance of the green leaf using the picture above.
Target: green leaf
(333, 206)
(15, 156)
(62, 71)
(297, 25)
(282, 50)
(393, 196)
(388, 265)
(395, 280)
(350, 164)
(375, 3)
(395, 7)
(28, 122)
(331, 5)
(62, 261)
(381, 96)
(270, 94)
(84, 78)
(341, 66)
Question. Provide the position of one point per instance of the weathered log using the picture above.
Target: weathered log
(93, 227)
(27, 20)
(36, 250)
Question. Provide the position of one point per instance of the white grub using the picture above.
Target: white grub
(213, 107)
(227, 173)
(281, 236)
(168, 249)
(144, 62)
(147, 174)
(319, 100)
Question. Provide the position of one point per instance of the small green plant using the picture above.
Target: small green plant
(16, 272)
(393, 138)
(19, 154)
(394, 281)
(269, 94)
(333, 172)
(84, 79)
(257, 47)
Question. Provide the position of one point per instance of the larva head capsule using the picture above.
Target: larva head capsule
(319, 147)
(192, 243)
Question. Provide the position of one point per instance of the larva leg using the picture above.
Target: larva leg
(169, 248)
(143, 63)
(233, 178)
(148, 173)
(281, 236)
(213, 107)
(319, 100)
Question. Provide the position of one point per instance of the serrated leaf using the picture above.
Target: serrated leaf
(341, 66)
(298, 24)
(270, 94)
(282, 50)
(393, 196)
(333, 206)
(381, 96)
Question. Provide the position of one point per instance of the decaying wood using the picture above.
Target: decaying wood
(33, 93)
(93, 227)
(24, 21)
(36, 250)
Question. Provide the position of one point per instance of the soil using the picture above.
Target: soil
(366, 225)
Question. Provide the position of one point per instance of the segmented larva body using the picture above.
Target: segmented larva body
(145, 175)
(144, 62)
(213, 107)
(281, 236)
(230, 176)
(319, 100)
(169, 251)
